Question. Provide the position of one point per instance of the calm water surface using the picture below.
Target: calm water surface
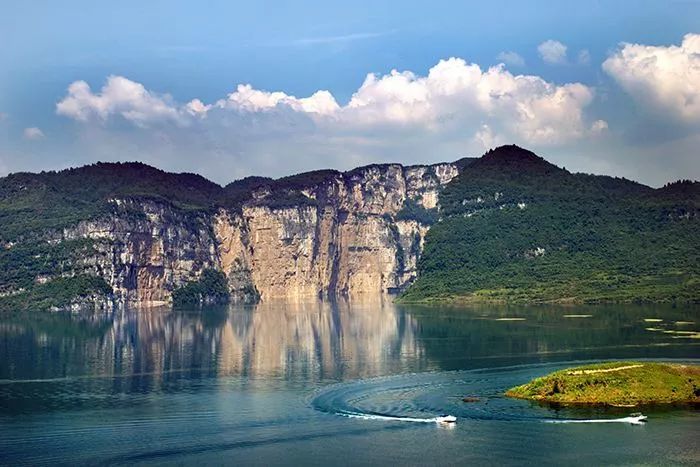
(320, 383)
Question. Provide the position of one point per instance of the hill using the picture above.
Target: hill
(516, 228)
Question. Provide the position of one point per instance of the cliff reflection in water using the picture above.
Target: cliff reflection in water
(318, 339)
(313, 340)
(134, 350)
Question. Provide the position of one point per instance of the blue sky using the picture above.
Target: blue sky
(625, 118)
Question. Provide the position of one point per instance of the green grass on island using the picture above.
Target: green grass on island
(616, 383)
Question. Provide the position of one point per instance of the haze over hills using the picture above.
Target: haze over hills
(508, 226)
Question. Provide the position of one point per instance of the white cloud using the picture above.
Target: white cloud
(511, 58)
(456, 108)
(666, 79)
(119, 96)
(132, 101)
(552, 52)
(197, 108)
(455, 95)
(458, 94)
(245, 98)
(584, 57)
(32, 133)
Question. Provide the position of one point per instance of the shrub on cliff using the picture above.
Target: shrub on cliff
(211, 288)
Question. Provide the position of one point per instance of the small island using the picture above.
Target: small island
(624, 384)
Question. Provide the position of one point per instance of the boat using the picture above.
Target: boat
(636, 418)
(447, 419)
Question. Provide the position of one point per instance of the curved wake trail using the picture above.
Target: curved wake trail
(426, 397)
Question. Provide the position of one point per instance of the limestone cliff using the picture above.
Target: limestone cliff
(343, 234)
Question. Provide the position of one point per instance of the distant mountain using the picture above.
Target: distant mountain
(517, 228)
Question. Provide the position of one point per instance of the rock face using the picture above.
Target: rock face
(348, 234)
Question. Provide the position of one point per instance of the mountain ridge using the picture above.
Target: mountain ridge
(148, 234)
(475, 229)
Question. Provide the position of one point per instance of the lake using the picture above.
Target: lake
(318, 383)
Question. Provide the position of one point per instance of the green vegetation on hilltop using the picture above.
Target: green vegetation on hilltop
(616, 383)
(34, 203)
(31, 203)
(518, 229)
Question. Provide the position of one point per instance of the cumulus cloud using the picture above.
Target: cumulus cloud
(552, 52)
(32, 133)
(664, 78)
(454, 95)
(133, 102)
(511, 58)
(197, 108)
(119, 96)
(455, 109)
(248, 99)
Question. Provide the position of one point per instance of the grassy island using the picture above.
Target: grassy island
(616, 383)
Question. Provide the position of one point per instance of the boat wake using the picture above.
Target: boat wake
(445, 419)
(428, 397)
(632, 420)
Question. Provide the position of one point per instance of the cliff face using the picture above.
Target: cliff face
(145, 249)
(347, 234)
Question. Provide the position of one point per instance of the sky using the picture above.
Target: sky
(229, 89)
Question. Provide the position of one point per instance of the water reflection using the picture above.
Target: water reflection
(312, 340)
(317, 340)
(50, 361)
(323, 340)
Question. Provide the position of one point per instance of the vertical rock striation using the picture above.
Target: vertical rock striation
(342, 234)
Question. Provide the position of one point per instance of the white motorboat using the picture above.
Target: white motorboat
(447, 419)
